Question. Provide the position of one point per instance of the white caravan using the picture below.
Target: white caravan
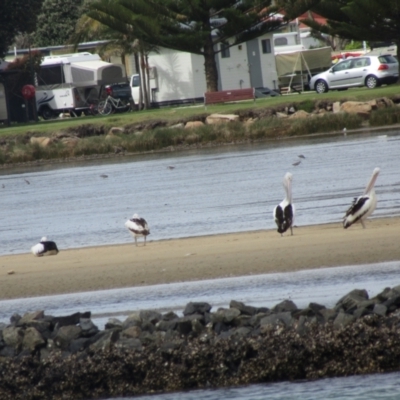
(71, 82)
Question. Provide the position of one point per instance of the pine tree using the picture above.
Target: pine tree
(196, 26)
(56, 22)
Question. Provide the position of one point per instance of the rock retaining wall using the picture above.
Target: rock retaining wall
(48, 357)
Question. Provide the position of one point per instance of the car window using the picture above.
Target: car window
(342, 66)
(387, 59)
(361, 62)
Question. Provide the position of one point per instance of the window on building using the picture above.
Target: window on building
(225, 50)
(282, 41)
(266, 46)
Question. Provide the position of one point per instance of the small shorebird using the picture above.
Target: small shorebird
(296, 163)
(301, 156)
(364, 205)
(26, 181)
(44, 248)
(138, 227)
(284, 211)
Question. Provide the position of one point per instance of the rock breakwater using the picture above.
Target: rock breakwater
(68, 357)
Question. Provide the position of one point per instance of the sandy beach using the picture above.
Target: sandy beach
(206, 257)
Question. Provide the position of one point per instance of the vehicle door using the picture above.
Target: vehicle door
(358, 71)
(339, 75)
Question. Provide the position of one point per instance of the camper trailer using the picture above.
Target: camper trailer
(71, 82)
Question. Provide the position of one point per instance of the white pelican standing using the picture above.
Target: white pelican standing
(44, 248)
(284, 211)
(138, 227)
(363, 206)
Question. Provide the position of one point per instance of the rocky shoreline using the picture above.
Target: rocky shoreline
(68, 357)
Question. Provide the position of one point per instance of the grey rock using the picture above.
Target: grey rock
(380, 309)
(150, 316)
(113, 323)
(88, 327)
(196, 308)
(351, 301)
(343, 319)
(12, 336)
(225, 315)
(284, 306)
(65, 335)
(247, 310)
(32, 339)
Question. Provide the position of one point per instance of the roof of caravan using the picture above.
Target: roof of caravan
(71, 58)
(94, 64)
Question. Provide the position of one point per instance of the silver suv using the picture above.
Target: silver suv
(371, 71)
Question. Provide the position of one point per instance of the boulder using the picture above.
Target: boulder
(41, 141)
(221, 118)
(362, 109)
(193, 124)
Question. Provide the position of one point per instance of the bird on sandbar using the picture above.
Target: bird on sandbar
(285, 210)
(138, 226)
(44, 248)
(364, 205)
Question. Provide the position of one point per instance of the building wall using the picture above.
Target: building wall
(268, 66)
(198, 75)
(178, 75)
(234, 70)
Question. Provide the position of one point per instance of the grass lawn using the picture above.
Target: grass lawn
(306, 100)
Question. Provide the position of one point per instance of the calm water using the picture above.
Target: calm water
(231, 189)
(216, 191)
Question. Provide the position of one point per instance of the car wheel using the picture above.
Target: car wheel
(321, 86)
(47, 113)
(371, 82)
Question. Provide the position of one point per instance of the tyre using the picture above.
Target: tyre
(371, 82)
(321, 86)
(104, 108)
(47, 113)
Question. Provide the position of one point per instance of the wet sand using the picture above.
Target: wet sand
(206, 257)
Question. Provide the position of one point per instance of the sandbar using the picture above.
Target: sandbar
(198, 258)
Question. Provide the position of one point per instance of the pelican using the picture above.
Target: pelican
(284, 212)
(138, 227)
(363, 206)
(44, 248)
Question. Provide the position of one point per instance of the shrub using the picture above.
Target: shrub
(325, 123)
(385, 116)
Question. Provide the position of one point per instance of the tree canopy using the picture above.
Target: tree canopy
(56, 21)
(196, 26)
(16, 16)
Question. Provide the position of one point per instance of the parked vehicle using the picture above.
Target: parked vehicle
(72, 82)
(370, 71)
(120, 90)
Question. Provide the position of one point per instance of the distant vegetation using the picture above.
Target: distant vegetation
(159, 129)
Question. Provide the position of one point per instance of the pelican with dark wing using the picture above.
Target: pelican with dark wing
(284, 211)
(363, 206)
(138, 227)
(44, 248)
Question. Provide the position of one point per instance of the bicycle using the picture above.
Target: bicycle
(111, 104)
